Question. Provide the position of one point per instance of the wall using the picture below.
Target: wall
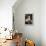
(6, 13)
(43, 22)
(29, 31)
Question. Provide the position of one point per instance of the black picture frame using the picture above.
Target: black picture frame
(28, 18)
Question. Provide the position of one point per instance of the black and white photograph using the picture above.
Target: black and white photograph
(28, 18)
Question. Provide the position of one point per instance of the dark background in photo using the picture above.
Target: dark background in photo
(28, 18)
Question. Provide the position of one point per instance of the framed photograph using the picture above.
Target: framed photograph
(28, 18)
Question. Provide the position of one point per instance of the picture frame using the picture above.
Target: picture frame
(28, 18)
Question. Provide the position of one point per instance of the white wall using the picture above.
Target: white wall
(43, 22)
(6, 13)
(29, 31)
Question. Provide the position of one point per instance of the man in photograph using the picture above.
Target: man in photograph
(28, 19)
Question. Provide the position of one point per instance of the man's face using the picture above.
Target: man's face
(28, 18)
